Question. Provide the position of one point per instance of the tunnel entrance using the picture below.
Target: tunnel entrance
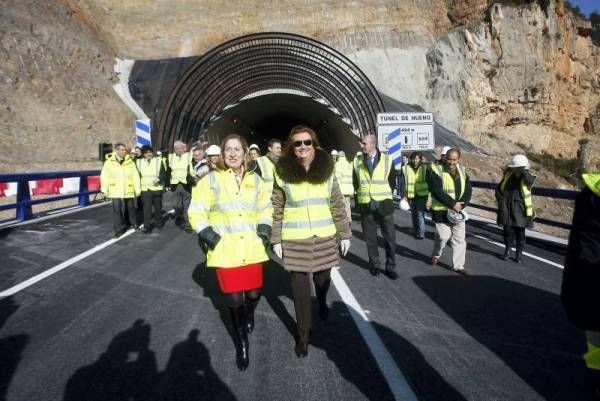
(261, 85)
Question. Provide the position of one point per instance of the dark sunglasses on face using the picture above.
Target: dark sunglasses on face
(306, 142)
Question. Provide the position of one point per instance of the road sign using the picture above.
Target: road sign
(397, 132)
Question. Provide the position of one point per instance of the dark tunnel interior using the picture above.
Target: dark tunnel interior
(261, 118)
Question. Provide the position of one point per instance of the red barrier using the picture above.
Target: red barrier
(3, 186)
(93, 183)
(47, 187)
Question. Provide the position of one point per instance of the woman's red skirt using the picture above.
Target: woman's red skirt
(243, 278)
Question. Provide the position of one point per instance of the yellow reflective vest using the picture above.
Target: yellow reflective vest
(448, 185)
(267, 170)
(592, 180)
(180, 167)
(233, 212)
(415, 182)
(374, 187)
(150, 173)
(343, 173)
(306, 212)
(120, 180)
(525, 193)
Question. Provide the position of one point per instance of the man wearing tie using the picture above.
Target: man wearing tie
(374, 179)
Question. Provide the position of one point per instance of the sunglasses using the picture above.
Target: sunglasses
(305, 142)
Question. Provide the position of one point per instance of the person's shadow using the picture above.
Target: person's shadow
(524, 326)
(126, 371)
(11, 347)
(189, 375)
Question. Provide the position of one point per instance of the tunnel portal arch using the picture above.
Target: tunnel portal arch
(269, 62)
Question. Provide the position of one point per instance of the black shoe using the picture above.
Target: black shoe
(117, 234)
(146, 231)
(421, 236)
(505, 255)
(518, 259)
(391, 273)
(242, 347)
(301, 348)
(374, 271)
(188, 229)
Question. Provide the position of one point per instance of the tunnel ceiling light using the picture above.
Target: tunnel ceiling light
(347, 121)
(229, 106)
(275, 91)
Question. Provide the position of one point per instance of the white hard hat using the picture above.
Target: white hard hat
(253, 146)
(213, 150)
(445, 149)
(404, 205)
(341, 153)
(158, 153)
(334, 152)
(518, 161)
(457, 217)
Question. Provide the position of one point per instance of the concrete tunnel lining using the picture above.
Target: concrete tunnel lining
(341, 102)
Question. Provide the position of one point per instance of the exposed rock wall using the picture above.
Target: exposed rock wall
(56, 96)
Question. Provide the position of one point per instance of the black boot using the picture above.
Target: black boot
(506, 253)
(250, 307)
(238, 318)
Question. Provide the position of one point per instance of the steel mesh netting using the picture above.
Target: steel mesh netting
(267, 61)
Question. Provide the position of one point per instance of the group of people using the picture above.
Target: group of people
(293, 205)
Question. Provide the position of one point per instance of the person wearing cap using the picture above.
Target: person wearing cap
(343, 174)
(580, 290)
(515, 205)
(213, 153)
(254, 152)
(416, 191)
(267, 162)
(181, 178)
(120, 181)
(450, 189)
(153, 178)
(374, 179)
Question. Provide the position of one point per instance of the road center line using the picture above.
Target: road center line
(394, 377)
(551, 263)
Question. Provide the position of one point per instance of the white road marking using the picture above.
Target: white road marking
(551, 263)
(394, 377)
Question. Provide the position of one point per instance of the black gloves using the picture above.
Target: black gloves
(264, 233)
(209, 237)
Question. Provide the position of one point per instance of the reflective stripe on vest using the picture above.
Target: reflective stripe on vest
(150, 173)
(525, 193)
(180, 167)
(415, 183)
(374, 187)
(306, 212)
(448, 186)
(343, 173)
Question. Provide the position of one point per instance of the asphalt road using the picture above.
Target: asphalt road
(143, 320)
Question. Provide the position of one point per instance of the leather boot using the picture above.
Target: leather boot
(250, 307)
(238, 318)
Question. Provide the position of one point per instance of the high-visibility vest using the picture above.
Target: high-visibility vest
(120, 180)
(415, 182)
(343, 173)
(306, 211)
(448, 185)
(525, 193)
(180, 166)
(267, 169)
(374, 187)
(592, 180)
(233, 212)
(592, 356)
(150, 173)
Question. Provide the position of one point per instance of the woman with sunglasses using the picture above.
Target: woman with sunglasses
(231, 212)
(309, 224)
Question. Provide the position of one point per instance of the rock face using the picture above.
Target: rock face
(527, 75)
(56, 96)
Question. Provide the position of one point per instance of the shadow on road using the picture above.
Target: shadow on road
(524, 326)
(11, 347)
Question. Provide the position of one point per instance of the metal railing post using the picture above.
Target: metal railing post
(84, 197)
(24, 211)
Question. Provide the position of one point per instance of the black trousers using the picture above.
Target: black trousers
(123, 208)
(152, 200)
(302, 299)
(510, 233)
(369, 220)
(181, 202)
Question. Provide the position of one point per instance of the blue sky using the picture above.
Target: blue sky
(587, 6)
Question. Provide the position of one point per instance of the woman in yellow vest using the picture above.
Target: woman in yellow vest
(515, 207)
(153, 177)
(231, 212)
(120, 181)
(309, 224)
(416, 190)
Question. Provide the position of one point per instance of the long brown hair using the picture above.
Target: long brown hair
(221, 163)
(288, 149)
